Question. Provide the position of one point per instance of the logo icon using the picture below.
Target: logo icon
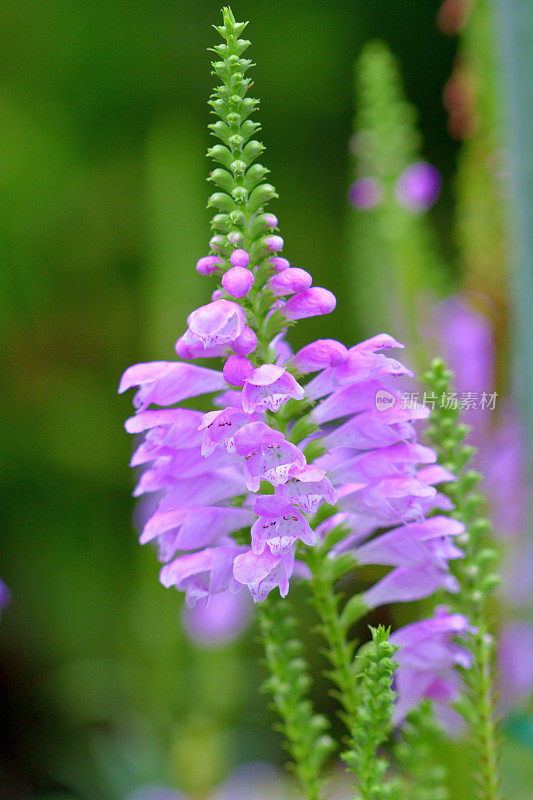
(384, 400)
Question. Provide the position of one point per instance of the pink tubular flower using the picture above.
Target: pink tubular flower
(274, 243)
(279, 526)
(308, 487)
(319, 355)
(193, 527)
(222, 620)
(220, 427)
(266, 454)
(290, 281)
(219, 322)
(271, 220)
(204, 572)
(208, 265)
(239, 258)
(245, 343)
(427, 659)
(279, 263)
(269, 386)
(263, 572)
(237, 369)
(311, 303)
(238, 281)
(167, 382)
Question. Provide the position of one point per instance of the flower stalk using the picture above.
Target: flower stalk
(476, 577)
(289, 684)
(297, 470)
(374, 720)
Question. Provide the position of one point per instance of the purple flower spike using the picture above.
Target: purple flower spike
(167, 382)
(290, 281)
(219, 322)
(279, 526)
(237, 281)
(208, 265)
(239, 258)
(202, 573)
(266, 454)
(245, 343)
(308, 488)
(221, 621)
(274, 243)
(271, 220)
(202, 468)
(217, 242)
(404, 584)
(365, 193)
(427, 660)
(279, 263)
(269, 386)
(319, 355)
(220, 427)
(418, 187)
(311, 303)
(237, 369)
(262, 573)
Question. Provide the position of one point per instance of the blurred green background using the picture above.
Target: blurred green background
(102, 216)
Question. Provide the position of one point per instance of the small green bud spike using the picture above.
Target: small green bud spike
(415, 753)
(289, 684)
(244, 192)
(373, 722)
(333, 626)
(477, 579)
(393, 248)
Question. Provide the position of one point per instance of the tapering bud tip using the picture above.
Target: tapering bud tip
(237, 369)
(207, 265)
(274, 243)
(279, 263)
(239, 258)
(237, 281)
(311, 303)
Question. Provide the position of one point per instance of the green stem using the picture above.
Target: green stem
(289, 684)
(241, 196)
(476, 578)
(334, 630)
(415, 753)
(374, 720)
